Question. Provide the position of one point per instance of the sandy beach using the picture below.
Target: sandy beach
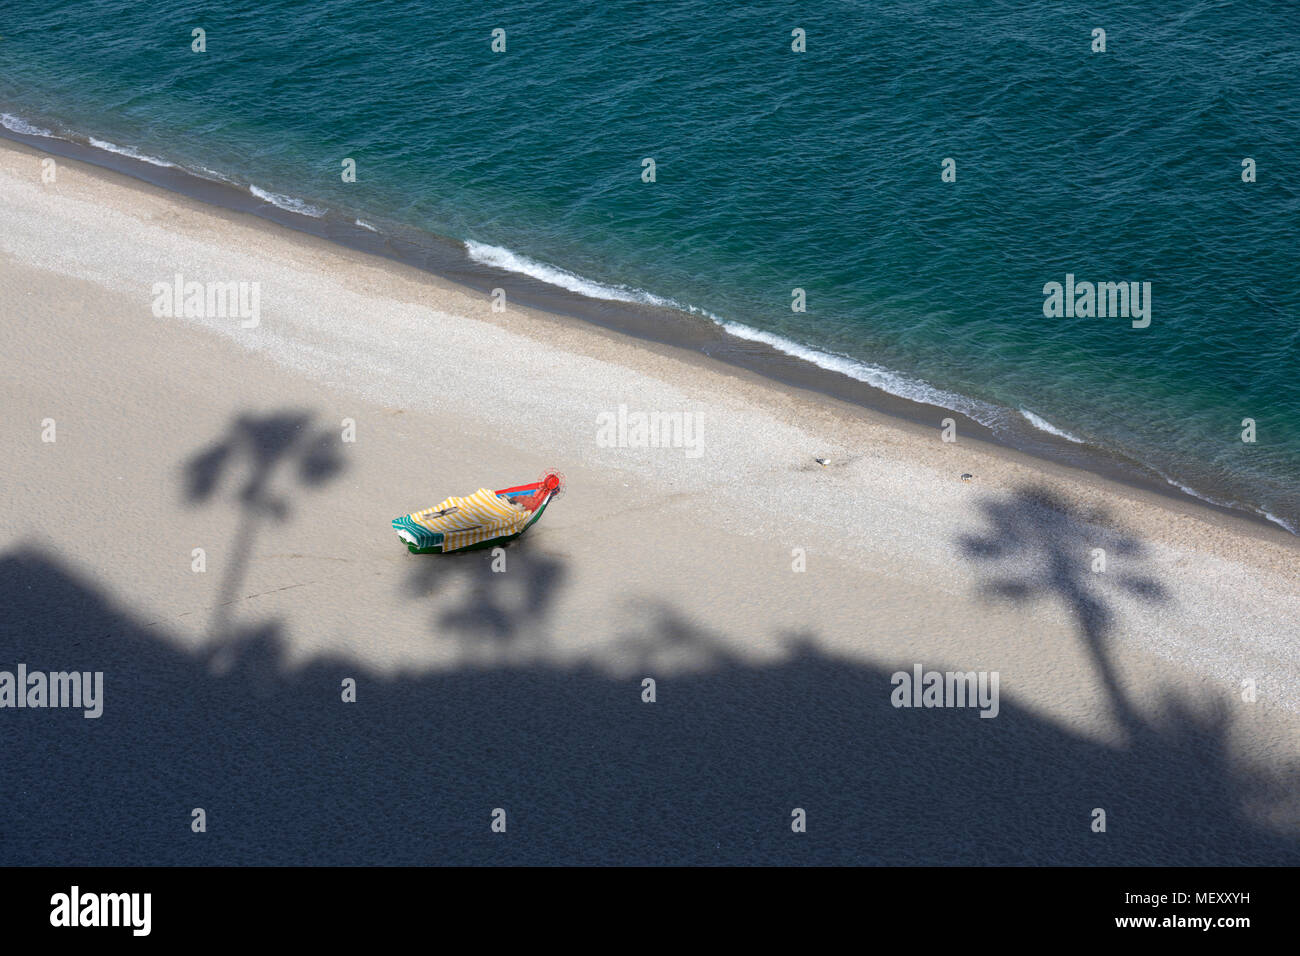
(769, 597)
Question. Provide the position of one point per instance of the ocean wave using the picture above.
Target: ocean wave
(1281, 523)
(287, 203)
(217, 177)
(129, 152)
(887, 380)
(501, 258)
(1230, 505)
(365, 225)
(882, 378)
(1185, 489)
(1043, 425)
(17, 124)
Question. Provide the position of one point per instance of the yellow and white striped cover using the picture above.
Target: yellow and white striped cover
(478, 517)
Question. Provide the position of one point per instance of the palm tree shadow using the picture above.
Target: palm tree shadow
(1038, 547)
(1180, 766)
(269, 448)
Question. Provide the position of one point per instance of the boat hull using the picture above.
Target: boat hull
(481, 545)
(432, 540)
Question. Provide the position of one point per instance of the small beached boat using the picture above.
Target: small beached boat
(484, 519)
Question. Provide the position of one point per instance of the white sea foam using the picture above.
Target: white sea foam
(1044, 425)
(365, 225)
(1187, 490)
(502, 258)
(1280, 522)
(128, 151)
(216, 176)
(287, 203)
(17, 124)
(876, 376)
(1230, 505)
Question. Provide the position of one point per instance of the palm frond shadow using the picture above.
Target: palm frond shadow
(1037, 547)
(266, 457)
(503, 595)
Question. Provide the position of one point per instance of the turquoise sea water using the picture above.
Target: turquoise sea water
(775, 170)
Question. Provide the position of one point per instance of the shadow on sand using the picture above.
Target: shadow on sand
(410, 773)
(493, 605)
(1037, 547)
(586, 772)
(259, 455)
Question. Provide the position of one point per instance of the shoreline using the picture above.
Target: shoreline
(449, 261)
